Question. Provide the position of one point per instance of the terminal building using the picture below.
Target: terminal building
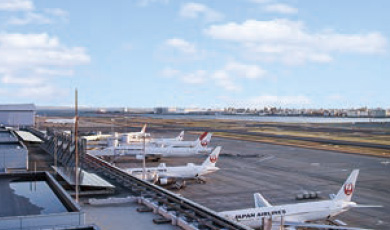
(17, 115)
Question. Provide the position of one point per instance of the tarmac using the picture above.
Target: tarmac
(281, 172)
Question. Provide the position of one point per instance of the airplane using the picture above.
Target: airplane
(293, 216)
(61, 121)
(151, 152)
(99, 136)
(204, 140)
(163, 175)
(162, 141)
(136, 136)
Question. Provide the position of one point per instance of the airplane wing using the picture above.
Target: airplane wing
(320, 226)
(368, 206)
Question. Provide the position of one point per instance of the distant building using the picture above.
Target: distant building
(17, 115)
(161, 110)
(377, 113)
(352, 113)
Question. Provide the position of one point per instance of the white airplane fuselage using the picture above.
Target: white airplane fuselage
(137, 136)
(171, 151)
(97, 137)
(184, 172)
(301, 212)
(150, 150)
(175, 143)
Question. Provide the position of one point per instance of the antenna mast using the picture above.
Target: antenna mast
(76, 124)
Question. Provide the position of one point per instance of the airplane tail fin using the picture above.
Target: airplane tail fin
(260, 201)
(201, 137)
(346, 191)
(180, 137)
(143, 130)
(206, 139)
(199, 142)
(213, 157)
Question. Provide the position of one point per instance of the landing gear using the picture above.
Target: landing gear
(179, 185)
(201, 180)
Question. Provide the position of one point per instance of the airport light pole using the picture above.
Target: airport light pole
(76, 123)
(112, 125)
(55, 153)
(144, 158)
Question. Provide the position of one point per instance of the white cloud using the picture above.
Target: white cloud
(16, 5)
(290, 42)
(179, 50)
(30, 18)
(244, 70)
(196, 10)
(56, 12)
(29, 61)
(7, 79)
(54, 72)
(49, 16)
(42, 92)
(181, 45)
(224, 80)
(280, 8)
(34, 50)
(170, 72)
(227, 76)
(261, 1)
(144, 3)
(270, 101)
(27, 41)
(198, 77)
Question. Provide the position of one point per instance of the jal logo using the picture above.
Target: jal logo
(348, 189)
(203, 143)
(213, 159)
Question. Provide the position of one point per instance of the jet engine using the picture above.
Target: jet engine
(166, 181)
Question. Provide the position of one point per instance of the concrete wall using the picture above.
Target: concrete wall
(42, 221)
(13, 158)
(17, 118)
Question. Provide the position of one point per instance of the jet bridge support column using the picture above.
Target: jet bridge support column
(266, 223)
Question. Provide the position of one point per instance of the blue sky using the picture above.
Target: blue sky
(242, 53)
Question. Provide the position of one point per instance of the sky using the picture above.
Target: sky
(206, 54)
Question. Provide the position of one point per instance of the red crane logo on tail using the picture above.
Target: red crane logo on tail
(213, 159)
(202, 141)
(348, 189)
